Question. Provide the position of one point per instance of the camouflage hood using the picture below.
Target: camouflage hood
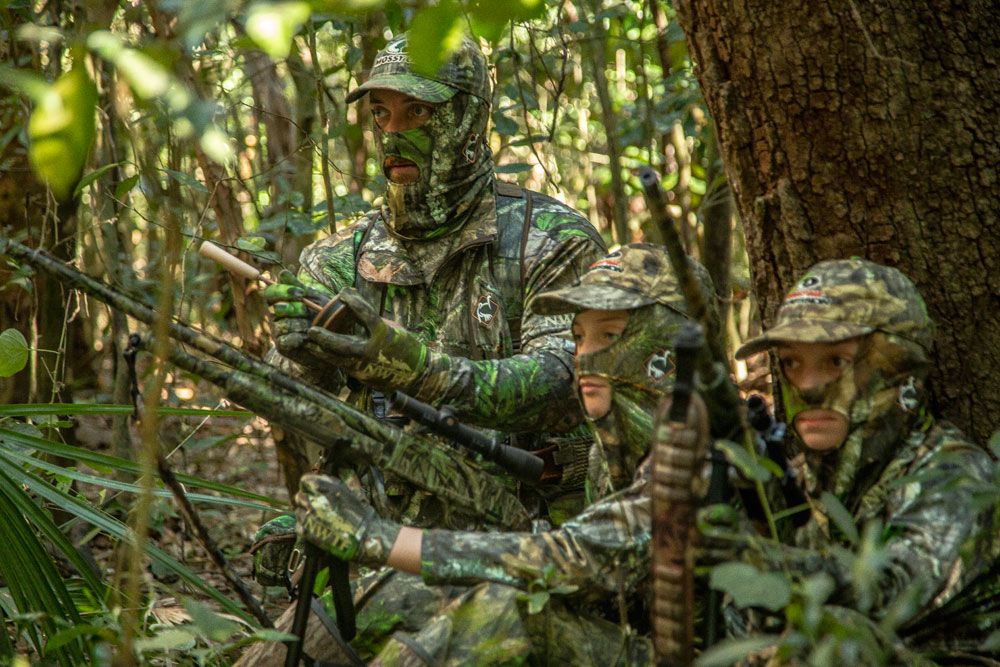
(451, 149)
(639, 364)
(882, 393)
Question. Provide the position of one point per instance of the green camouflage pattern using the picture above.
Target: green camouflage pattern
(898, 465)
(461, 297)
(845, 298)
(639, 365)
(635, 275)
(465, 70)
(328, 514)
(456, 168)
(272, 549)
(486, 624)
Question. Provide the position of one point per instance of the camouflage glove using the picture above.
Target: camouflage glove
(719, 538)
(332, 517)
(386, 360)
(291, 319)
(273, 550)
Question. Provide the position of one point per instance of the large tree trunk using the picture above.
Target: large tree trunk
(869, 129)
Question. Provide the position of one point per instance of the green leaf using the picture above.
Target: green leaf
(208, 623)
(147, 78)
(840, 516)
(185, 179)
(273, 25)
(751, 588)
(62, 129)
(995, 444)
(744, 461)
(536, 601)
(13, 352)
(504, 125)
(435, 33)
(251, 243)
(509, 10)
(731, 651)
(170, 639)
(93, 176)
(512, 168)
(126, 186)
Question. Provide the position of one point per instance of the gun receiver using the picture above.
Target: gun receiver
(520, 463)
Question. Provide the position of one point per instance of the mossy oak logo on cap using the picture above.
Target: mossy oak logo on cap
(808, 291)
(394, 52)
(471, 149)
(908, 397)
(486, 310)
(659, 365)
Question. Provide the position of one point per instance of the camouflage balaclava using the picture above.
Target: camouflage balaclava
(882, 393)
(451, 149)
(638, 365)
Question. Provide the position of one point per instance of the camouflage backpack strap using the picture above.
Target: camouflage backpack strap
(515, 191)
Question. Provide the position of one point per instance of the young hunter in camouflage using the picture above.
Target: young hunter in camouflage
(854, 340)
(577, 595)
(453, 259)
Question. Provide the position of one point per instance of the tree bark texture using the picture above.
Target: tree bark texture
(869, 129)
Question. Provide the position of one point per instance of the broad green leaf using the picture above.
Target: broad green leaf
(208, 623)
(731, 651)
(93, 176)
(61, 129)
(13, 352)
(435, 33)
(840, 516)
(273, 25)
(509, 10)
(751, 588)
(512, 168)
(504, 125)
(251, 243)
(29, 83)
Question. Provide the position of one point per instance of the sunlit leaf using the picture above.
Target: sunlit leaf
(273, 25)
(13, 352)
(61, 130)
(147, 78)
(435, 33)
(509, 10)
(125, 186)
(751, 588)
(216, 145)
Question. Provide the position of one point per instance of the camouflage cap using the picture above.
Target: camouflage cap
(634, 275)
(844, 298)
(465, 70)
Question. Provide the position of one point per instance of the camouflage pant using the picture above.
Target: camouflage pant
(402, 621)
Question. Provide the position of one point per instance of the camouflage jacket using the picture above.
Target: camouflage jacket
(467, 296)
(933, 526)
(603, 552)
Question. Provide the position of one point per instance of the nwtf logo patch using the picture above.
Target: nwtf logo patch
(808, 291)
(612, 263)
(486, 310)
(659, 365)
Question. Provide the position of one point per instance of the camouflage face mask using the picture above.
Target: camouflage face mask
(883, 399)
(456, 169)
(639, 367)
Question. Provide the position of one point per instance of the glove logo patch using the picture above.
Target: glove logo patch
(486, 310)
(659, 365)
